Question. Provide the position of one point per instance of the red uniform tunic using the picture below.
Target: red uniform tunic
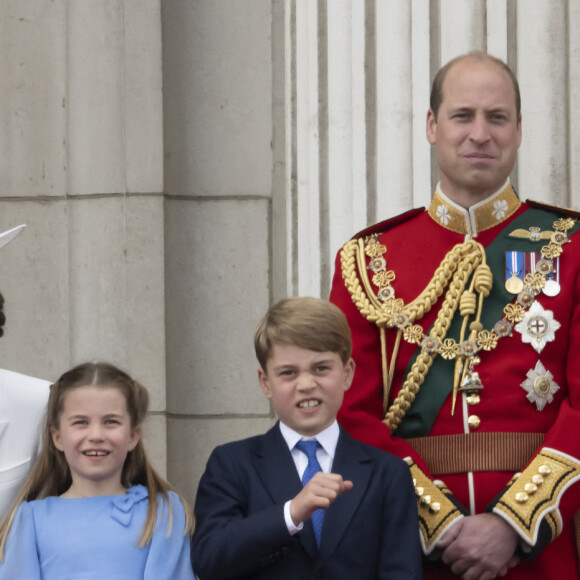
(525, 420)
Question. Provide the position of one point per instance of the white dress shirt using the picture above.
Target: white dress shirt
(327, 439)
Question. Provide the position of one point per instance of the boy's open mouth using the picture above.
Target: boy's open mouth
(309, 403)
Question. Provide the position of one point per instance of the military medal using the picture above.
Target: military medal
(538, 327)
(540, 386)
(552, 287)
(514, 282)
(514, 285)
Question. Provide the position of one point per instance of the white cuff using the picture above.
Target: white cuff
(292, 529)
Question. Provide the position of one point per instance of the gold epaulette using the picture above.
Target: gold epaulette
(436, 510)
(534, 495)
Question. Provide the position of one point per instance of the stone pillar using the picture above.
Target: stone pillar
(544, 71)
(218, 184)
(82, 165)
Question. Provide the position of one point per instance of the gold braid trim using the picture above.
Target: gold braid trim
(534, 495)
(436, 510)
(457, 266)
(421, 366)
(380, 312)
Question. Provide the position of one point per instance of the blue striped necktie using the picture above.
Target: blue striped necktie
(309, 448)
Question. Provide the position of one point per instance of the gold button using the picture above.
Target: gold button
(531, 488)
(473, 399)
(435, 507)
(419, 491)
(521, 497)
(473, 421)
(426, 500)
(414, 482)
(537, 479)
(544, 470)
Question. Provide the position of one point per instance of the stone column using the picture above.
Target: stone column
(82, 165)
(218, 183)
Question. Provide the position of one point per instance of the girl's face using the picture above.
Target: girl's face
(95, 435)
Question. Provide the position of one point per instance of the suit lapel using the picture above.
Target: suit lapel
(350, 461)
(275, 467)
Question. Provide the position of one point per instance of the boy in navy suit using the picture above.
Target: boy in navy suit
(305, 500)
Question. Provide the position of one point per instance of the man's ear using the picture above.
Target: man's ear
(431, 128)
(349, 369)
(264, 383)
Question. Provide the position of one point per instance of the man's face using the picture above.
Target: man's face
(477, 131)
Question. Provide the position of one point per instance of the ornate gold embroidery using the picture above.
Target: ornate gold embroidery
(488, 215)
(536, 493)
(436, 510)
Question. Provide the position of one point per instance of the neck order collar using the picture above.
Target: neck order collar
(479, 217)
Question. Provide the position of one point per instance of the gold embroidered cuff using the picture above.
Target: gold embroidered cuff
(534, 495)
(436, 510)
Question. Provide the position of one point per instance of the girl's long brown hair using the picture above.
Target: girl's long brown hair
(51, 474)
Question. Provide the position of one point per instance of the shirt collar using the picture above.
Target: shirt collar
(479, 217)
(328, 438)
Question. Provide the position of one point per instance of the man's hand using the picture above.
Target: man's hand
(318, 493)
(480, 547)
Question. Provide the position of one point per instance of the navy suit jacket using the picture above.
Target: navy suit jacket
(369, 532)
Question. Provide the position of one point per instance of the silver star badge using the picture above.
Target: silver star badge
(540, 386)
(538, 327)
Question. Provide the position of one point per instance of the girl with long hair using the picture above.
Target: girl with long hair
(93, 506)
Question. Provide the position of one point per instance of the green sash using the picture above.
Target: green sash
(439, 380)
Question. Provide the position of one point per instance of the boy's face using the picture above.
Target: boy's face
(306, 387)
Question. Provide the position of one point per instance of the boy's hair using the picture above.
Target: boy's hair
(310, 323)
(51, 475)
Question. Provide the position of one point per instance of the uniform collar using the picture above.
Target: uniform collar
(479, 217)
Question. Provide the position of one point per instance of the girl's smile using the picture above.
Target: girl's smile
(95, 435)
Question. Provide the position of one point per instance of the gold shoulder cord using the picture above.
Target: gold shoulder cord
(386, 311)
(454, 271)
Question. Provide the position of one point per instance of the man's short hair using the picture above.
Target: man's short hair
(309, 323)
(437, 87)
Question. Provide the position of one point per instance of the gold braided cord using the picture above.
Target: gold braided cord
(458, 265)
(380, 312)
(361, 262)
(359, 297)
(424, 360)
(385, 367)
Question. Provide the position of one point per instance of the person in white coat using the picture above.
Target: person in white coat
(22, 404)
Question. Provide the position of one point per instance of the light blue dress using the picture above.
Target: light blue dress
(96, 538)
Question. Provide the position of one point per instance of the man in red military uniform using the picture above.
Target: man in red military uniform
(464, 319)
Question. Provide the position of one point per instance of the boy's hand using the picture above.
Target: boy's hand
(318, 493)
